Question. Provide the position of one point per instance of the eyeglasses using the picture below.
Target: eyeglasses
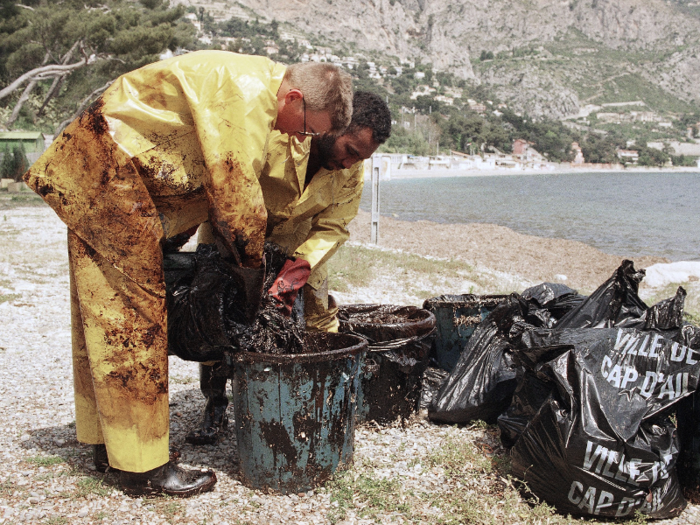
(306, 133)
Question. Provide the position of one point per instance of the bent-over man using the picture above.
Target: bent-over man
(167, 146)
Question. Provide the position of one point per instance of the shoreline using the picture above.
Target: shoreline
(397, 174)
(499, 248)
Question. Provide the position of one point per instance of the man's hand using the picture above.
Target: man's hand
(290, 280)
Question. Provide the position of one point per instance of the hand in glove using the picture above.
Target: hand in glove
(290, 280)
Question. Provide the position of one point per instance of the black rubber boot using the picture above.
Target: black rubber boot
(168, 479)
(214, 419)
(100, 458)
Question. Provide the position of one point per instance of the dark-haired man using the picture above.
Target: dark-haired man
(312, 191)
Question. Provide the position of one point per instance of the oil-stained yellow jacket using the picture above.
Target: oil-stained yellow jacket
(166, 147)
(310, 222)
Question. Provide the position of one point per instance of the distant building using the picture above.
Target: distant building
(271, 47)
(614, 118)
(524, 152)
(33, 142)
(520, 146)
(628, 155)
(445, 100)
(644, 116)
(422, 91)
(578, 154)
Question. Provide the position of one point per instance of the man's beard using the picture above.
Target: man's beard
(325, 150)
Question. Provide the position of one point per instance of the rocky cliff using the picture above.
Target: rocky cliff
(655, 40)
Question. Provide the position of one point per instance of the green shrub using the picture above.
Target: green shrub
(14, 164)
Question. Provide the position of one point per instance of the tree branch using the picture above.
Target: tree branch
(18, 107)
(82, 106)
(57, 81)
(53, 91)
(41, 73)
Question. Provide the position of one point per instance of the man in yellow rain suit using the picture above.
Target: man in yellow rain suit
(167, 146)
(312, 191)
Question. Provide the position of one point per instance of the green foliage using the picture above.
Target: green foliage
(239, 28)
(551, 138)
(689, 120)
(652, 157)
(402, 140)
(14, 163)
(601, 148)
(377, 496)
(9, 297)
(10, 201)
(468, 132)
(683, 160)
(635, 87)
(118, 36)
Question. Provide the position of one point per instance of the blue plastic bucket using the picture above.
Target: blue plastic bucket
(457, 316)
(295, 414)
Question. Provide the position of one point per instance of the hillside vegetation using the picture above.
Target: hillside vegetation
(465, 76)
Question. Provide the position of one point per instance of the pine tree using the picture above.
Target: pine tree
(20, 163)
(6, 165)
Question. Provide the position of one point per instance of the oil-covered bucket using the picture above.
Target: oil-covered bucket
(457, 316)
(400, 339)
(295, 413)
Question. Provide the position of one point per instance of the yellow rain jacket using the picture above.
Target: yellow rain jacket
(166, 147)
(310, 222)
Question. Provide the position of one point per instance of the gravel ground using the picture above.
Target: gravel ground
(46, 476)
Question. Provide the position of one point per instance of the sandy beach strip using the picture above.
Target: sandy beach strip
(535, 259)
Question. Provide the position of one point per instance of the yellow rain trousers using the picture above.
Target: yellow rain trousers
(168, 146)
(311, 223)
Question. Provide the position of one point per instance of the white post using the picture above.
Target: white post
(374, 231)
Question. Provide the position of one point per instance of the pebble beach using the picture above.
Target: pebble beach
(46, 476)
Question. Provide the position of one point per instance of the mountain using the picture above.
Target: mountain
(550, 57)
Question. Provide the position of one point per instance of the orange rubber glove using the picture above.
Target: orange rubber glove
(291, 278)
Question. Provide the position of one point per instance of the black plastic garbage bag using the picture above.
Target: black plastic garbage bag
(664, 318)
(601, 444)
(207, 302)
(558, 299)
(483, 381)
(433, 379)
(217, 307)
(529, 396)
(688, 409)
(615, 303)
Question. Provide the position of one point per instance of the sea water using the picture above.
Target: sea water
(626, 214)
